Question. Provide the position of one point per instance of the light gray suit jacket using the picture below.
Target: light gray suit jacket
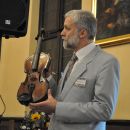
(89, 96)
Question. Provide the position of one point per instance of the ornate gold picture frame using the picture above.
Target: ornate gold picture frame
(113, 22)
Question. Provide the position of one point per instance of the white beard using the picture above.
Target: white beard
(72, 42)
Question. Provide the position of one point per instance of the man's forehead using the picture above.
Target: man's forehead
(69, 21)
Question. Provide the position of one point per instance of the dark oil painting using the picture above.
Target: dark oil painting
(113, 18)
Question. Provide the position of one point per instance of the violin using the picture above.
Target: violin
(33, 89)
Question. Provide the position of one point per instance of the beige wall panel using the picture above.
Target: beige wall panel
(122, 53)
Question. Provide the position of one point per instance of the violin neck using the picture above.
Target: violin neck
(36, 56)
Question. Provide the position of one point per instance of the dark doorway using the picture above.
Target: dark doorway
(51, 19)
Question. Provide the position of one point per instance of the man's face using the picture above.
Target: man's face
(70, 34)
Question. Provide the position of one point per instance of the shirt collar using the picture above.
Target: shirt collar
(85, 51)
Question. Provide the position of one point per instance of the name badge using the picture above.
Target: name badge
(80, 82)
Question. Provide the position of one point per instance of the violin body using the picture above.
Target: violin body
(34, 88)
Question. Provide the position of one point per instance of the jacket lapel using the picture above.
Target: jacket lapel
(62, 80)
(80, 69)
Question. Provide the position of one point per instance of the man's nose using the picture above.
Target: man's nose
(62, 32)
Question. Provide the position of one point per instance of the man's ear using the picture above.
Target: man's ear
(83, 33)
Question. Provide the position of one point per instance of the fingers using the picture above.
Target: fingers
(40, 107)
(50, 95)
(39, 104)
(49, 92)
(37, 108)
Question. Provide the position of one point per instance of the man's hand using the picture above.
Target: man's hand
(47, 106)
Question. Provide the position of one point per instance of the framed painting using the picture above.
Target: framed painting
(113, 22)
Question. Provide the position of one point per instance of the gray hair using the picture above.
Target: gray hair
(85, 20)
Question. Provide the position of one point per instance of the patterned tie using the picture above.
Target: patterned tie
(70, 67)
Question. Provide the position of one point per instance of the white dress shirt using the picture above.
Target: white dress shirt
(83, 52)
